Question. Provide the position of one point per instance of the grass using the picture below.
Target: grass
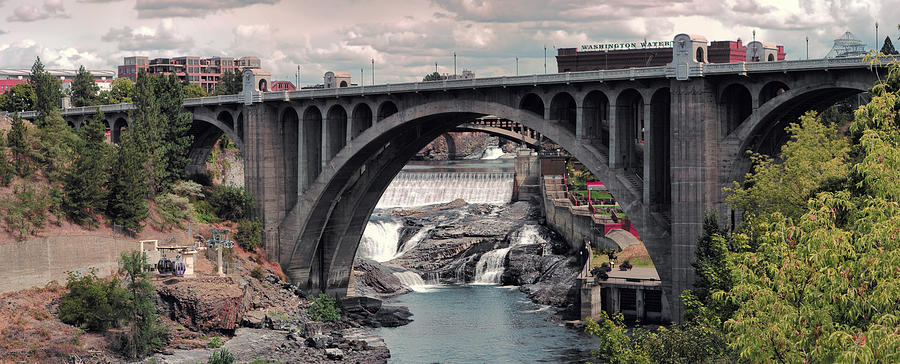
(637, 255)
(596, 195)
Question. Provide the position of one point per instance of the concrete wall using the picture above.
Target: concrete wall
(36, 262)
(575, 228)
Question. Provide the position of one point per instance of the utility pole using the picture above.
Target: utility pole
(299, 77)
(876, 37)
(545, 59)
(454, 65)
(373, 71)
(361, 76)
(807, 47)
(435, 67)
(517, 65)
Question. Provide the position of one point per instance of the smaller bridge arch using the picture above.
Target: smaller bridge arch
(336, 130)
(386, 109)
(595, 109)
(362, 119)
(770, 90)
(312, 142)
(737, 105)
(533, 103)
(564, 109)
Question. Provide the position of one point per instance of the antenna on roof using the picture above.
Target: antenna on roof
(754, 35)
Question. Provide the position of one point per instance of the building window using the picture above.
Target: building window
(771, 58)
(700, 55)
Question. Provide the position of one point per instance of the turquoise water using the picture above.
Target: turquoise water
(481, 324)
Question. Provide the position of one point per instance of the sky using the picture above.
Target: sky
(406, 38)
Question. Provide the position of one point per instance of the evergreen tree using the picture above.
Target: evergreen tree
(126, 202)
(194, 90)
(84, 89)
(7, 170)
(17, 139)
(433, 77)
(20, 97)
(175, 125)
(145, 334)
(56, 143)
(47, 89)
(85, 183)
(148, 133)
(888, 47)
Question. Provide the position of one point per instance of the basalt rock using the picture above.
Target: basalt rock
(374, 279)
(204, 304)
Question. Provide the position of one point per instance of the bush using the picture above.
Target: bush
(189, 189)
(172, 210)
(221, 357)
(145, 334)
(92, 303)
(231, 202)
(202, 179)
(215, 343)
(249, 234)
(324, 309)
(257, 272)
(626, 265)
(203, 211)
(26, 211)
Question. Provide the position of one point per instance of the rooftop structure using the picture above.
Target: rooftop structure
(205, 72)
(608, 56)
(847, 46)
(10, 77)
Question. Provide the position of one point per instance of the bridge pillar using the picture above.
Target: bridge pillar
(694, 150)
(615, 157)
(579, 123)
(264, 169)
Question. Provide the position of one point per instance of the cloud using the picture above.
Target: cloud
(23, 53)
(98, 1)
(29, 13)
(190, 9)
(164, 37)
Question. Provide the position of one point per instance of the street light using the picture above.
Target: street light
(517, 65)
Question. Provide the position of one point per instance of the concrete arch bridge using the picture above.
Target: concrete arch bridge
(665, 140)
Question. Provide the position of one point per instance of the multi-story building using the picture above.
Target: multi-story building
(608, 56)
(205, 72)
(12, 77)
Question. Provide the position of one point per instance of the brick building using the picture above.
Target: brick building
(205, 72)
(610, 56)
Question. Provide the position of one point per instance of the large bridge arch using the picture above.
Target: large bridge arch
(764, 130)
(206, 130)
(321, 233)
(501, 133)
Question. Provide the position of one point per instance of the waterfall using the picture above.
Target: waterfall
(379, 240)
(414, 240)
(528, 234)
(410, 189)
(411, 280)
(490, 267)
(492, 152)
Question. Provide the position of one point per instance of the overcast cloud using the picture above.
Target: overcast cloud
(405, 37)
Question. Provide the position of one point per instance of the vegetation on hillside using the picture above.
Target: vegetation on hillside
(810, 275)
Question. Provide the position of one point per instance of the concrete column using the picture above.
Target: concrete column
(324, 139)
(349, 128)
(301, 172)
(694, 153)
(579, 123)
(615, 159)
(262, 167)
(647, 162)
(639, 303)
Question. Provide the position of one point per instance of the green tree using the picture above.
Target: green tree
(121, 90)
(92, 303)
(713, 271)
(20, 97)
(17, 139)
(231, 202)
(433, 77)
(194, 90)
(145, 333)
(84, 89)
(85, 184)
(175, 126)
(126, 202)
(7, 169)
(26, 210)
(55, 146)
(888, 47)
(230, 83)
(47, 90)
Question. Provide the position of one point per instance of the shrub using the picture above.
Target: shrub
(92, 303)
(324, 308)
(257, 272)
(203, 211)
(172, 210)
(249, 234)
(202, 179)
(145, 334)
(231, 202)
(221, 357)
(189, 189)
(26, 211)
(215, 343)
(626, 265)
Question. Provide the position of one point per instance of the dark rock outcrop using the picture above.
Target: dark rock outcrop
(204, 304)
(374, 279)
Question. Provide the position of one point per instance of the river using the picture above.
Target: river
(481, 324)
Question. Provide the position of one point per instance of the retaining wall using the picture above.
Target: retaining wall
(36, 262)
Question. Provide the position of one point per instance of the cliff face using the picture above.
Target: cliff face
(204, 304)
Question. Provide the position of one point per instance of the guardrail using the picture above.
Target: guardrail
(501, 81)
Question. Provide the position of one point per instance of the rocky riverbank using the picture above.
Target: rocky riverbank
(460, 243)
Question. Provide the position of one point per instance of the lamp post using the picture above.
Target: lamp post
(545, 59)
(876, 37)
(373, 71)
(807, 47)
(517, 65)
(454, 65)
